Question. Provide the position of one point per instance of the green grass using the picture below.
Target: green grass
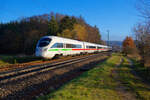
(142, 71)
(96, 84)
(133, 82)
(100, 83)
(7, 60)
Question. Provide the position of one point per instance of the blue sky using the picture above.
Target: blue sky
(118, 16)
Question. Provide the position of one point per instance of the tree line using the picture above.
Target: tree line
(141, 31)
(21, 36)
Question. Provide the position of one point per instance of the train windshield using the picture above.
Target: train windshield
(44, 42)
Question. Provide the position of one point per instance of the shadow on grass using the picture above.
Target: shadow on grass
(132, 81)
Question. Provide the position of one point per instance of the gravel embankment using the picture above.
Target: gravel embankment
(29, 88)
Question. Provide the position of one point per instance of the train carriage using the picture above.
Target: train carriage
(90, 47)
(50, 46)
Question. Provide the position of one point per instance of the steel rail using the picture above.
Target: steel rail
(15, 74)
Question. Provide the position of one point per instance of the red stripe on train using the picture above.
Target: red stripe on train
(88, 49)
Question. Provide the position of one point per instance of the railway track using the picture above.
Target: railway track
(16, 83)
(31, 70)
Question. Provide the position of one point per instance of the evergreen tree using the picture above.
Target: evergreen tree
(53, 26)
(67, 23)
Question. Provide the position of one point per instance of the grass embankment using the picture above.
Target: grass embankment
(141, 86)
(105, 82)
(142, 71)
(7, 60)
(95, 84)
(133, 83)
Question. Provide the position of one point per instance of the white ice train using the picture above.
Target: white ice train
(50, 46)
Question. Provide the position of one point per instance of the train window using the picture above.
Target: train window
(100, 47)
(45, 39)
(78, 46)
(44, 42)
(68, 45)
(73, 46)
(57, 45)
(91, 47)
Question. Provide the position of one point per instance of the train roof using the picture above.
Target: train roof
(56, 37)
(72, 40)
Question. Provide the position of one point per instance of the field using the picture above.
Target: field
(10, 59)
(112, 80)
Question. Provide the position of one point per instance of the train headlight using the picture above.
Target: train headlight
(45, 49)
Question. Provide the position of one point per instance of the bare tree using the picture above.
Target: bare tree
(143, 6)
(142, 33)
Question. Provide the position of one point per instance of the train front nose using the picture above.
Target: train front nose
(42, 46)
(40, 52)
(37, 52)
